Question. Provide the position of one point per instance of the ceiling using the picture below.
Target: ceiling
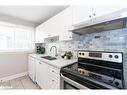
(32, 14)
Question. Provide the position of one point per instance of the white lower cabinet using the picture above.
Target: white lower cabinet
(54, 77)
(31, 68)
(40, 73)
(47, 76)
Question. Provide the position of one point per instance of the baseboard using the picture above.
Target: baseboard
(13, 76)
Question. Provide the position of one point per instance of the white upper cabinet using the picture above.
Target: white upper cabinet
(51, 27)
(81, 13)
(56, 26)
(46, 29)
(59, 25)
(40, 35)
(103, 10)
(65, 21)
(84, 13)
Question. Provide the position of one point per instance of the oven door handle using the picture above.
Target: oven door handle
(77, 85)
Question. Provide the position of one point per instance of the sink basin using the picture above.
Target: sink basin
(49, 57)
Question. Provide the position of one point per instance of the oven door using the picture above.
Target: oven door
(67, 83)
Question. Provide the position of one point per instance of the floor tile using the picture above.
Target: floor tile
(28, 84)
(6, 85)
(16, 84)
(19, 83)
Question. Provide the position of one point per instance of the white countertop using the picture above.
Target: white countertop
(58, 63)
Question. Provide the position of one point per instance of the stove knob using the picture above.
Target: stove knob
(116, 83)
(82, 53)
(110, 56)
(116, 56)
(83, 72)
(80, 71)
(79, 53)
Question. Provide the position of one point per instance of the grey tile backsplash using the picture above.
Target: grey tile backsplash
(115, 40)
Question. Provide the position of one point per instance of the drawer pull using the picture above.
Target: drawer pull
(52, 70)
(39, 62)
(53, 80)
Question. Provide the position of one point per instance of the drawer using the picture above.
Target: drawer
(54, 83)
(53, 71)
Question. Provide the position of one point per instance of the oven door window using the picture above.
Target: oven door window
(69, 86)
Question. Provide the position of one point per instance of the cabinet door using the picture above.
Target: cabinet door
(103, 10)
(81, 14)
(31, 68)
(65, 21)
(54, 25)
(38, 70)
(47, 29)
(54, 83)
(40, 73)
(39, 35)
(51, 27)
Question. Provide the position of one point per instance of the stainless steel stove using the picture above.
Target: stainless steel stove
(94, 70)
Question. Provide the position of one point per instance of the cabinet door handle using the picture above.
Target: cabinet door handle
(90, 16)
(53, 80)
(94, 14)
(39, 62)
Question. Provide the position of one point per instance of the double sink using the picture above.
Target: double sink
(49, 57)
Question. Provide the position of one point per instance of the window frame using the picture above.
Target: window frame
(14, 26)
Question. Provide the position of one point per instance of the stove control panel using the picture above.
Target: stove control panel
(106, 56)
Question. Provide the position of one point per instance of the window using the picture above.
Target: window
(23, 38)
(16, 38)
(6, 38)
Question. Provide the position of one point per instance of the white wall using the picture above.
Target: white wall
(12, 63)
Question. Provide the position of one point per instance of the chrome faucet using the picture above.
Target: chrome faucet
(55, 49)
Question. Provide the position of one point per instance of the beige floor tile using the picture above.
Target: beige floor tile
(19, 83)
(6, 85)
(16, 84)
(28, 84)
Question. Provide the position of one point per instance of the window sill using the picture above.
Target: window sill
(13, 51)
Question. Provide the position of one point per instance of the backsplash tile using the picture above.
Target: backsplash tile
(115, 40)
